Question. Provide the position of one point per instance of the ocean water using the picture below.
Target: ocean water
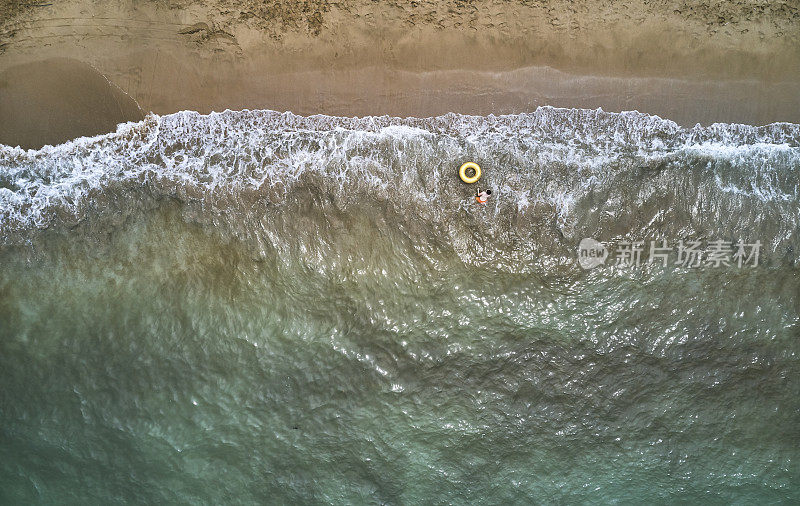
(255, 307)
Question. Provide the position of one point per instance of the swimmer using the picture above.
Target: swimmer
(481, 197)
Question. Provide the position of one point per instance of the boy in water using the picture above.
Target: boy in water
(482, 196)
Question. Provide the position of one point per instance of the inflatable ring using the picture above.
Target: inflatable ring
(462, 172)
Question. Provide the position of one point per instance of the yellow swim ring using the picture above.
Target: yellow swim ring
(462, 172)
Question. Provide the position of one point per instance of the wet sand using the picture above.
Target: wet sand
(50, 101)
(689, 61)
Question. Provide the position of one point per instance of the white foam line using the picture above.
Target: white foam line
(247, 149)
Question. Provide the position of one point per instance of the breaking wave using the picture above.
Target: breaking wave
(558, 174)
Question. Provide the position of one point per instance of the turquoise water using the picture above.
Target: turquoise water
(253, 307)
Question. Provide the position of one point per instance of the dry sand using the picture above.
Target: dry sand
(687, 60)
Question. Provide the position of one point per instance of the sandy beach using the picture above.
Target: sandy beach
(690, 61)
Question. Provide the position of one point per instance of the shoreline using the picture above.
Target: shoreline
(693, 64)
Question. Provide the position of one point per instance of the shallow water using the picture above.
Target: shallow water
(254, 307)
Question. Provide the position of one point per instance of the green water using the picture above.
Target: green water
(164, 363)
(260, 308)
